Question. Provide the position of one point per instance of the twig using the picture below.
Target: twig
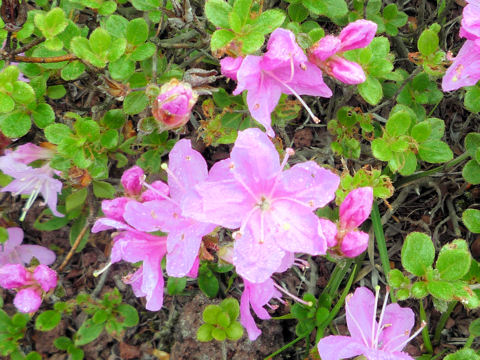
(74, 246)
(44, 60)
(28, 46)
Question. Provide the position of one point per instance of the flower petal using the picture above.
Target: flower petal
(357, 35)
(400, 322)
(44, 255)
(132, 180)
(346, 71)
(246, 318)
(361, 312)
(152, 282)
(329, 231)
(354, 243)
(465, 69)
(356, 207)
(27, 300)
(336, 347)
(149, 216)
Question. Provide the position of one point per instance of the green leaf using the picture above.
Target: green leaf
(454, 260)
(47, 320)
(142, 52)
(234, 331)
(297, 12)
(6, 103)
(135, 102)
(471, 219)
(421, 131)
(474, 327)
(100, 41)
(381, 150)
(472, 143)
(252, 42)
(23, 92)
(72, 70)
(129, 314)
(221, 38)
(75, 353)
(435, 151)
(53, 224)
(55, 133)
(371, 90)
(114, 119)
(52, 23)
(88, 332)
(100, 316)
(208, 282)
(471, 172)
(75, 199)
(398, 123)
(81, 48)
(210, 314)
(223, 319)
(146, 5)
(137, 31)
(176, 285)
(409, 164)
(268, 21)
(56, 91)
(88, 129)
(43, 115)
(242, 9)
(438, 128)
(418, 253)
(62, 343)
(231, 306)
(419, 290)
(463, 354)
(77, 227)
(217, 12)
(219, 334)
(107, 8)
(3, 235)
(443, 290)
(428, 42)
(204, 333)
(472, 99)
(109, 139)
(116, 25)
(15, 125)
(103, 190)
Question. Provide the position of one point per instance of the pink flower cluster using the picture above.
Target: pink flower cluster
(465, 69)
(271, 210)
(30, 283)
(285, 69)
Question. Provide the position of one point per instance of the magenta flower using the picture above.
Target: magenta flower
(465, 69)
(31, 181)
(470, 26)
(173, 106)
(12, 252)
(132, 180)
(384, 339)
(256, 296)
(327, 52)
(30, 284)
(284, 68)
(229, 66)
(273, 208)
(343, 238)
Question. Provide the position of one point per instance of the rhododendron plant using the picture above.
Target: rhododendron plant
(327, 52)
(272, 207)
(382, 339)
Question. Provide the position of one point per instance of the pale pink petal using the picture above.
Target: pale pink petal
(193, 273)
(149, 216)
(310, 184)
(246, 318)
(358, 34)
(15, 238)
(356, 207)
(132, 180)
(336, 347)
(249, 74)
(282, 48)
(465, 69)
(153, 282)
(182, 256)
(107, 224)
(354, 243)
(135, 281)
(308, 81)
(50, 190)
(27, 300)
(348, 72)
(287, 262)
(360, 311)
(470, 26)
(13, 276)
(46, 277)
(187, 167)
(115, 208)
(27, 252)
(400, 322)
(328, 230)
(158, 191)
(229, 66)
(260, 295)
(29, 152)
(326, 47)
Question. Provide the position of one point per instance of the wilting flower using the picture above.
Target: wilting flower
(273, 208)
(284, 68)
(12, 252)
(30, 284)
(327, 52)
(31, 181)
(173, 106)
(344, 238)
(382, 339)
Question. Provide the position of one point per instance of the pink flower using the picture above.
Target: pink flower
(465, 69)
(30, 284)
(273, 208)
(12, 252)
(375, 340)
(470, 26)
(132, 180)
(31, 181)
(256, 296)
(173, 106)
(229, 66)
(284, 68)
(344, 238)
(327, 52)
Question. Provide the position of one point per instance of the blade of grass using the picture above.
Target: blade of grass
(425, 334)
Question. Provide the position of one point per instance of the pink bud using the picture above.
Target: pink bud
(229, 66)
(346, 71)
(132, 180)
(115, 208)
(357, 35)
(329, 231)
(324, 48)
(45, 277)
(13, 276)
(173, 106)
(27, 300)
(356, 208)
(354, 243)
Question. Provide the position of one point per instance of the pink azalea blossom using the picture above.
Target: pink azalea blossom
(343, 238)
(12, 252)
(229, 66)
(132, 180)
(173, 106)
(31, 181)
(382, 339)
(30, 284)
(465, 69)
(273, 208)
(284, 68)
(470, 25)
(327, 52)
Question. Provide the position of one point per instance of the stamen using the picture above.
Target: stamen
(292, 69)
(402, 345)
(163, 196)
(97, 273)
(29, 202)
(273, 307)
(347, 309)
(380, 325)
(315, 119)
(244, 222)
(262, 229)
(297, 299)
(374, 317)
(172, 175)
(302, 264)
(288, 152)
(308, 205)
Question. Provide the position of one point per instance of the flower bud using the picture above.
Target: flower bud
(354, 243)
(45, 277)
(346, 71)
(27, 300)
(13, 276)
(132, 180)
(356, 208)
(324, 48)
(357, 34)
(173, 106)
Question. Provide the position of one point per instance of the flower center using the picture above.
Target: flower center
(264, 203)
